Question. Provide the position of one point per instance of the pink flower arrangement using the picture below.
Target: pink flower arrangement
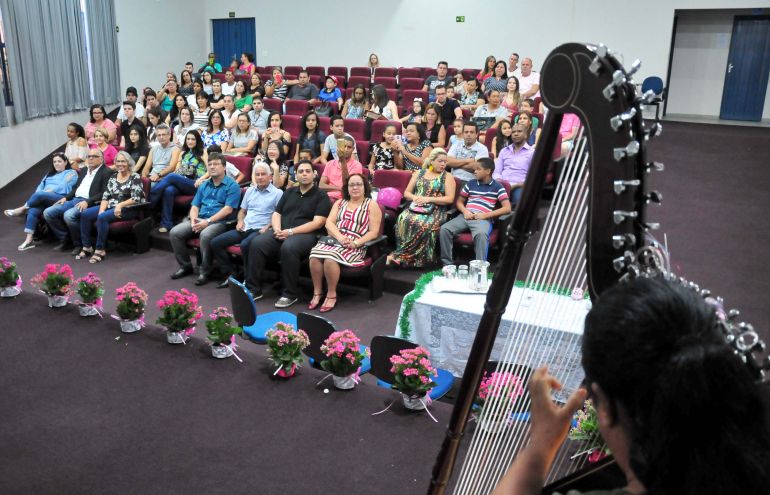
(413, 371)
(505, 386)
(131, 302)
(179, 311)
(55, 280)
(285, 344)
(220, 328)
(343, 351)
(9, 277)
(90, 289)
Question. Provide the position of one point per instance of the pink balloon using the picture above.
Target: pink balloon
(389, 197)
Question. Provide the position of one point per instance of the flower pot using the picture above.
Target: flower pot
(284, 373)
(414, 402)
(344, 382)
(88, 310)
(493, 425)
(175, 337)
(57, 301)
(221, 351)
(130, 326)
(11, 291)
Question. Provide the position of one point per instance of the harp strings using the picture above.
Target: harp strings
(559, 262)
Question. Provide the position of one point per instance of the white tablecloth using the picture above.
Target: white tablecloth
(548, 329)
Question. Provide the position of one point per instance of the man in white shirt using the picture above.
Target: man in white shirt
(462, 156)
(131, 95)
(513, 64)
(228, 87)
(63, 217)
(258, 115)
(529, 81)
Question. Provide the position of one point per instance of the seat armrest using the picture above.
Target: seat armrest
(137, 206)
(376, 241)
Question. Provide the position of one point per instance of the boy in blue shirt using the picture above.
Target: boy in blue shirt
(476, 205)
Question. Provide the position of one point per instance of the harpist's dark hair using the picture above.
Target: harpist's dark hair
(691, 408)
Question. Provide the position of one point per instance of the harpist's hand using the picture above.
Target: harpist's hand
(550, 422)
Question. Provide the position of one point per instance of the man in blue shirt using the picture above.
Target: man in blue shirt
(213, 205)
(254, 218)
(476, 205)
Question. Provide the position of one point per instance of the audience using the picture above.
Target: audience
(531, 126)
(276, 133)
(55, 185)
(331, 94)
(502, 137)
(216, 100)
(77, 147)
(124, 188)
(211, 65)
(99, 119)
(137, 147)
(457, 131)
(185, 124)
(207, 81)
(229, 112)
(417, 113)
(489, 115)
(242, 99)
(216, 133)
(298, 218)
(337, 171)
(256, 89)
(186, 84)
(179, 102)
(374, 62)
(353, 221)
(132, 96)
(357, 105)
(437, 81)
(100, 142)
(310, 137)
(434, 131)
(382, 153)
(488, 70)
(243, 140)
(570, 124)
(463, 155)
(337, 127)
(382, 105)
(63, 217)
(228, 87)
(511, 98)
(513, 162)
(450, 108)
(254, 218)
(471, 96)
(303, 89)
(430, 191)
(283, 177)
(213, 205)
(411, 154)
(477, 206)
(258, 116)
(247, 64)
(513, 64)
(167, 95)
(529, 81)
(201, 110)
(182, 177)
(498, 80)
(276, 87)
(130, 119)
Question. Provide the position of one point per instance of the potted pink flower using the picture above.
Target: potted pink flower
(585, 428)
(90, 289)
(10, 281)
(344, 357)
(179, 314)
(132, 302)
(284, 348)
(497, 397)
(56, 283)
(413, 374)
(222, 333)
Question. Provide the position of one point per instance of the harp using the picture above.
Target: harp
(594, 235)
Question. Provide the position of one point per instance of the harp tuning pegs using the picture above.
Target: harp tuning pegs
(617, 121)
(631, 149)
(634, 68)
(619, 186)
(733, 314)
(656, 166)
(623, 241)
(620, 216)
(618, 79)
(651, 226)
(647, 97)
(653, 197)
(621, 262)
(596, 64)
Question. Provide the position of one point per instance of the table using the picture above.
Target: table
(548, 329)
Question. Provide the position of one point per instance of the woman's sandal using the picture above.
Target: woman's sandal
(84, 253)
(312, 306)
(97, 257)
(325, 308)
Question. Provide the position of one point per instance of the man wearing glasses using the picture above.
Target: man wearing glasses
(63, 217)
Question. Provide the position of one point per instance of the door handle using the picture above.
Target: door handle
(729, 68)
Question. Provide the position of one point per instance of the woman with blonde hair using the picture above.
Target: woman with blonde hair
(431, 190)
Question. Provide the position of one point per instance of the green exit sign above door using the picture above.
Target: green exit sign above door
(231, 14)
(460, 18)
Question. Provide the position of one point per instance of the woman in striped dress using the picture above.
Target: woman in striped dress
(353, 221)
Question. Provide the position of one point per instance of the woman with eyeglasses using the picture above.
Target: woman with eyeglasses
(99, 119)
(353, 221)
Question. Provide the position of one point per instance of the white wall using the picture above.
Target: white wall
(157, 36)
(25, 144)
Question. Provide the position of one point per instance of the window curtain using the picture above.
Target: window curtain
(104, 50)
(3, 114)
(47, 64)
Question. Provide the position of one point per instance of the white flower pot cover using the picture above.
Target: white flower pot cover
(11, 291)
(176, 337)
(130, 326)
(88, 311)
(344, 382)
(493, 425)
(415, 403)
(221, 351)
(57, 301)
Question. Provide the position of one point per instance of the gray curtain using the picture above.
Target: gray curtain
(104, 50)
(3, 115)
(46, 57)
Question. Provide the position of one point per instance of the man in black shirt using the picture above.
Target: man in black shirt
(450, 108)
(298, 219)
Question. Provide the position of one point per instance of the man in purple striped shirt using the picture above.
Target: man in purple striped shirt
(476, 205)
(513, 163)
